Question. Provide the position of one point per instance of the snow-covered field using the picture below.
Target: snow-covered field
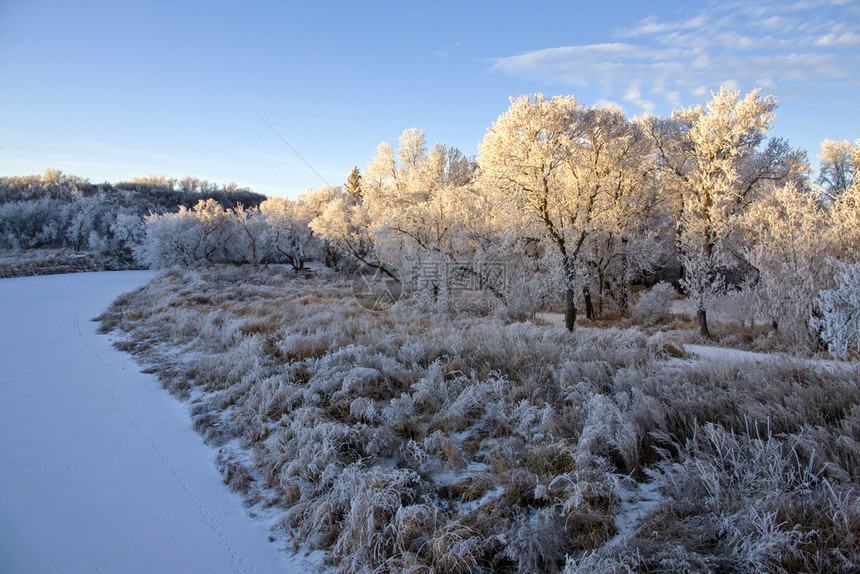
(100, 470)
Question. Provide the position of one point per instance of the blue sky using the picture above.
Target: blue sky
(113, 90)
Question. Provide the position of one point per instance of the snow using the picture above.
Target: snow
(728, 355)
(738, 356)
(100, 470)
(637, 502)
(494, 494)
(552, 319)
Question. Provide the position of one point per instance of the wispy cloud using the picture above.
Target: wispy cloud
(774, 45)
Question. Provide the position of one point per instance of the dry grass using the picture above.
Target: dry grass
(405, 441)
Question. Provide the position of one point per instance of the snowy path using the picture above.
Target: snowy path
(100, 470)
(738, 356)
(729, 355)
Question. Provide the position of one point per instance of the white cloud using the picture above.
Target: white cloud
(603, 103)
(731, 84)
(634, 95)
(673, 98)
(701, 61)
(776, 23)
(596, 64)
(842, 40)
(663, 60)
(652, 26)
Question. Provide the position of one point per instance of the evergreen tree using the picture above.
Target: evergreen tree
(353, 185)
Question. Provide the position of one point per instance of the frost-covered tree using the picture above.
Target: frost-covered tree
(839, 322)
(413, 173)
(252, 235)
(716, 159)
(84, 221)
(525, 157)
(411, 153)
(204, 234)
(55, 179)
(392, 179)
(127, 232)
(292, 240)
(381, 173)
(33, 224)
(786, 242)
(313, 204)
(190, 184)
(170, 239)
(216, 230)
(404, 218)
(57, 210)
(414, 209)
(350, 230)
(576, 177)
(614, 156)
(837, 167)
(845, 218)
(156, 180)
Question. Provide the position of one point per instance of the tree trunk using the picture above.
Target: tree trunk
(589, 305)
(702, 321)
(624, 288)
(623, 297)
(601, 294)
(570, 309)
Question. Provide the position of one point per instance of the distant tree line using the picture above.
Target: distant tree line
(57, 210)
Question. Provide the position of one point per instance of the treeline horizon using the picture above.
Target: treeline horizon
(162, 190)
(58, 210)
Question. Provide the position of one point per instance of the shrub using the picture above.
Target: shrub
(655, 305)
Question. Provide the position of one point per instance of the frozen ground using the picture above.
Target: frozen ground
(100, 470)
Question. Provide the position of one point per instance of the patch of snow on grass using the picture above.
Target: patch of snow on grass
(635, 504)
